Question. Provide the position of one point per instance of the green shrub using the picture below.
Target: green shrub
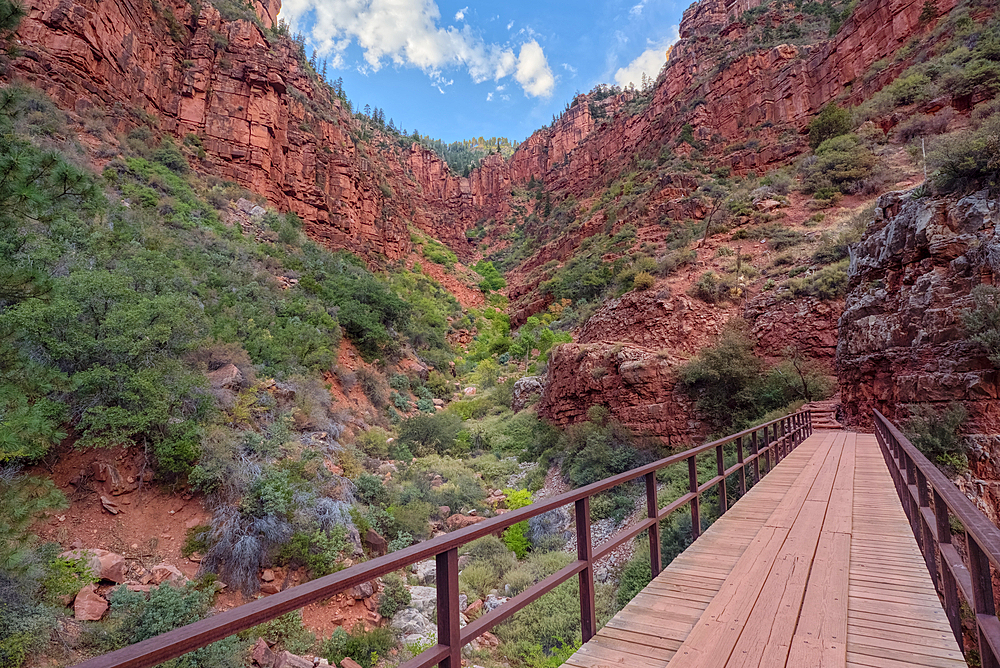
(413, 518)
(429, 434)
(365, 647)
(394, 597)
(969, 160)
(830, 282)
(400, 382)
(643, 281)
(287, 632)
(935, 432)
(134, 618)
(831, 122)
(514, 537)
(492, 279)
(374, 442)
(371, 491)
(983, 322)
(320, 552)
(840, 162)
(714, 288)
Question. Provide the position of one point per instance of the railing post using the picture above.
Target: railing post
(952, 607)
(767, 448)
(982, 597)
(585, 552)
(720, 460)
(653, 510)
(930, 554)
(755, 449)
(693, 487)
(743, 468)
(449, 627)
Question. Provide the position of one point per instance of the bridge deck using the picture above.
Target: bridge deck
(814, 566)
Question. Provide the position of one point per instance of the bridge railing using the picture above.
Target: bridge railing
(758, 450)
(930, 501)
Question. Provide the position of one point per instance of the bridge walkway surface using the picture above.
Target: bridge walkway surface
(815, 566)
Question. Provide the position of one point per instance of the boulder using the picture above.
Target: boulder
(89, 605)
(375, 543)
(463, 602)
(288, 660)
(493, 602)
(461, 521)
(167, 573)
(424, 600)
(101, 563)
(226, 377)
(267, 575)
(426, 572)
(262, 654)
(348, 662)
(474, 607)
(553, 524)
(525, 388)
(413, 626)
(361, 591)
(271, 588)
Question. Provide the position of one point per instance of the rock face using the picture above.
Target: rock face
(627, 359)
(901, 336)
(267, 124)
(807, 325)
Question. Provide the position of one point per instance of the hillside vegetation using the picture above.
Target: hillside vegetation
(311, 398)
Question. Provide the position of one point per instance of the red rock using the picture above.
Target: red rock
(459, 521)
(228, 376)
(262, 654)
(474, 607)
(89, 605)
(288, 660)
(267, 575)
(167, 573)
(270, 588)
(348, 662)
(375, 543)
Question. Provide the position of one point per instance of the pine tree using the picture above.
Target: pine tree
(10, 17)
(24, 499)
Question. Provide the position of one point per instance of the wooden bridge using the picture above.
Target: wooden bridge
(842, 549)
(815, 566)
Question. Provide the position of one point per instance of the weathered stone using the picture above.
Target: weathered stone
(89, 605)
(167, 573)
(426, 572)
(459, 521)
(412, 624)
(271, 588)
(424, 600)
(288, 660)
(348, 662)
(361, 591)
(375, 543)
(262, 654)
(267, 575)
(525, 388)
(228, 377)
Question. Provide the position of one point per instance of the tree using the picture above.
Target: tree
(715, 196)
(831, 122)
(10, 17)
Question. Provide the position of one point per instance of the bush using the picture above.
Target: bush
(430, 434)
(983, 322)
(287, 632)
(935, 432)
(394, 597)
(714, 288)
(133, 618)
(830, 282)
(413, 518)
(831, 122)
(515, 537)
(969, 160)
(643, 281)
(492, 279)
(374, 442)
(365, 647)
(839, 162)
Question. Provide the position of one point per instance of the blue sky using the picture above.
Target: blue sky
(456, 70)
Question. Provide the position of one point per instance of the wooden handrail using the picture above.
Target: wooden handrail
(929, 500)
(777, 438)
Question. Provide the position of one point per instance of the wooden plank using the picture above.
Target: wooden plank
(713, 639)
(821, 635)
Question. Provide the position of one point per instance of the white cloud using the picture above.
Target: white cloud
(409, 33)
(569, 68)
(510, 25)
(637, 9)
(533, 72)
(489, 97)
(649, 61)
(460, 14)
